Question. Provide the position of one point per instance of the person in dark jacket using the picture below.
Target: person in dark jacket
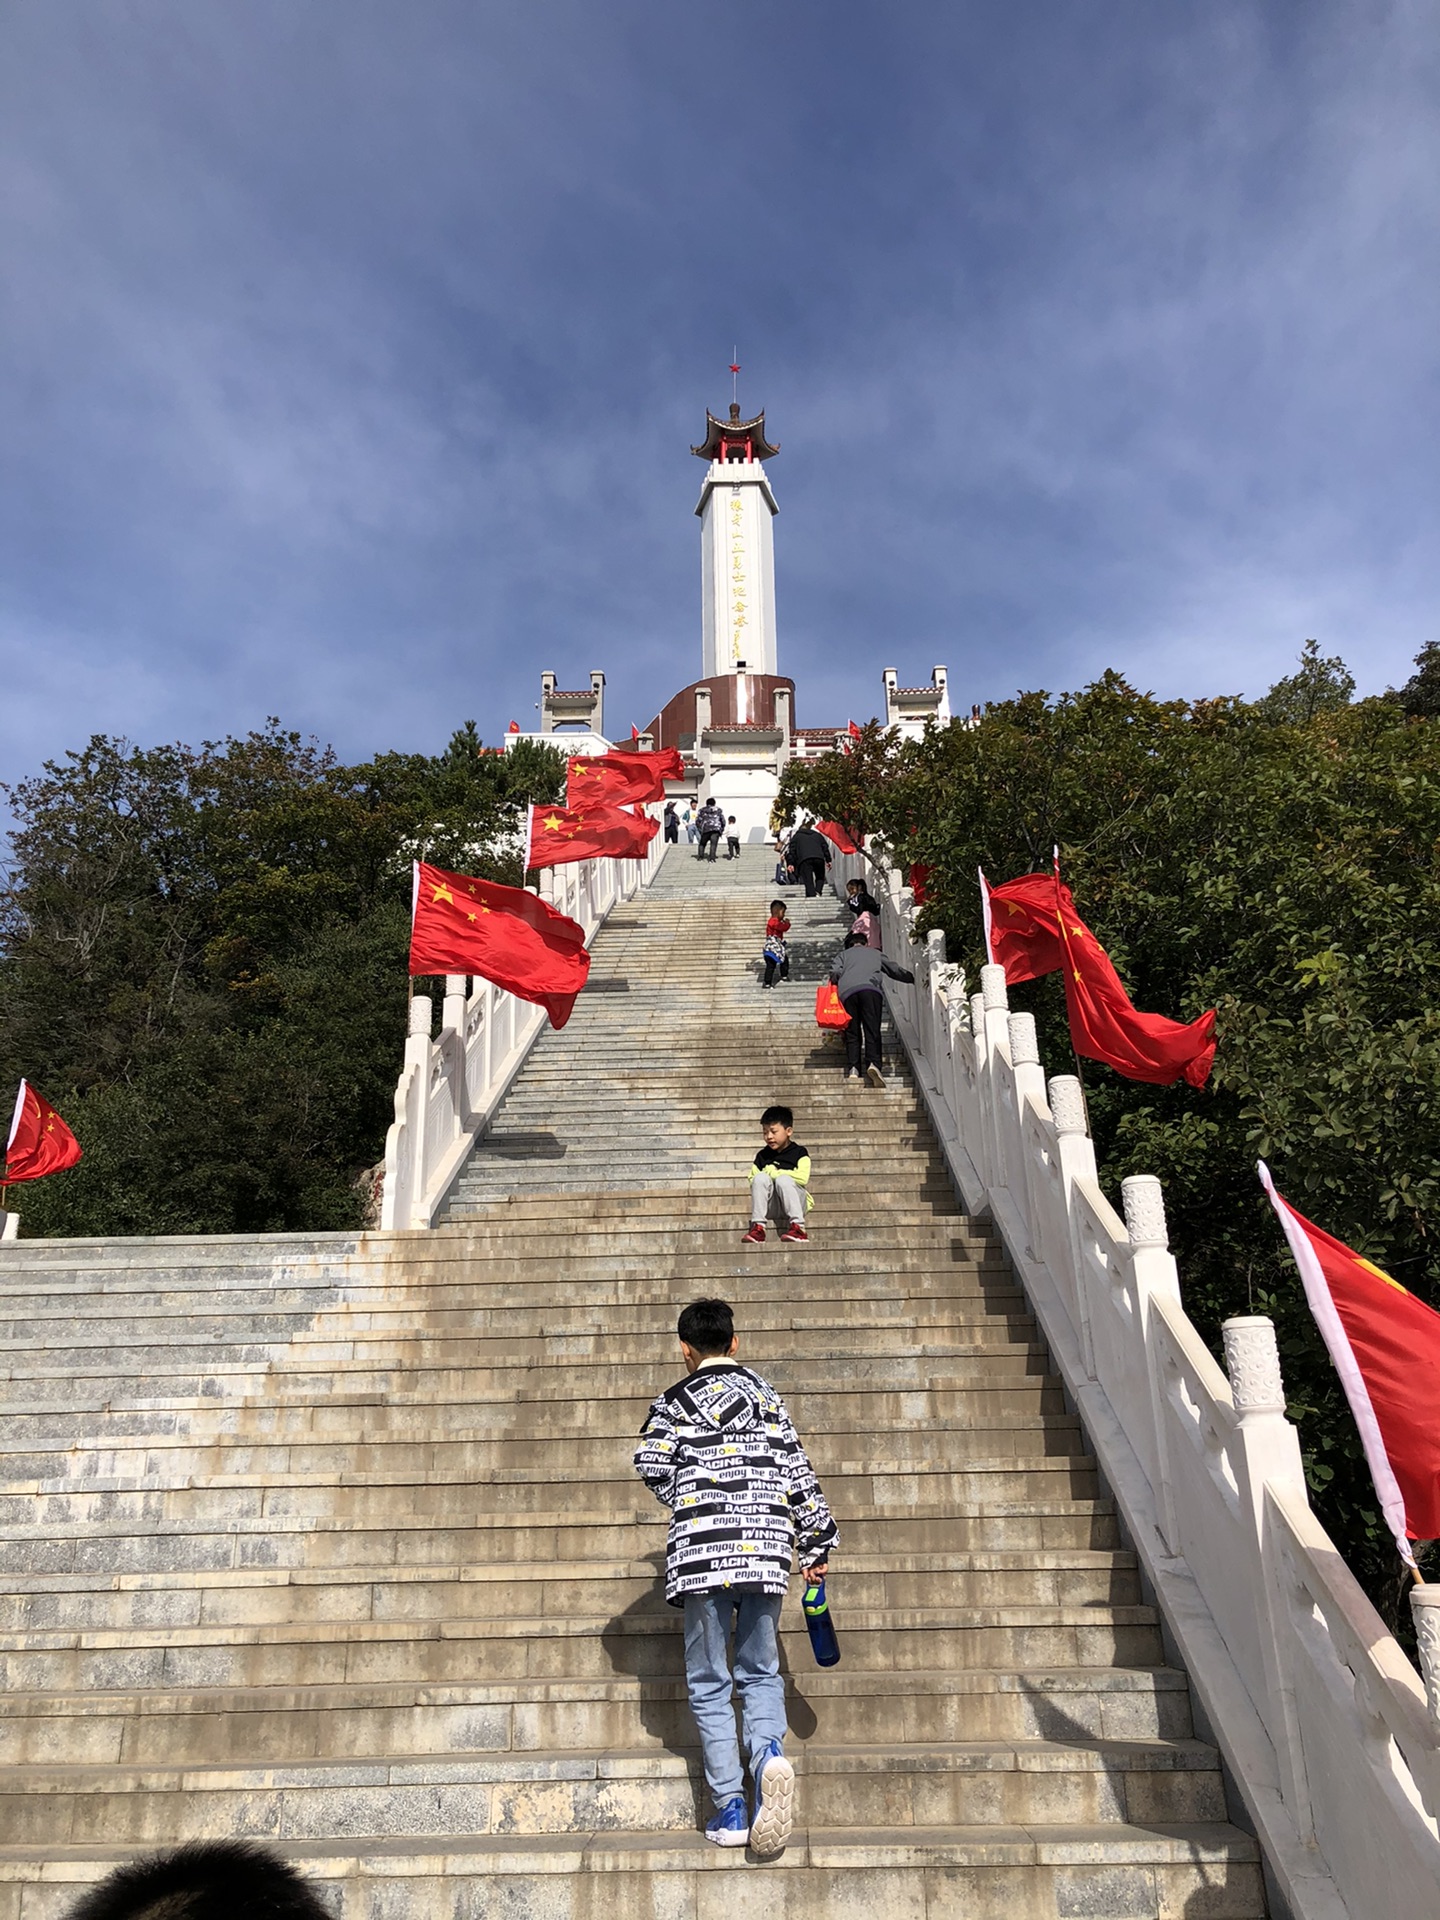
(711, 822)
(857, 980)
(720, 1451)
(858, 899)
(809, 853)
(672, 824)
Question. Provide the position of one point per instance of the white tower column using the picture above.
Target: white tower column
(737, 568)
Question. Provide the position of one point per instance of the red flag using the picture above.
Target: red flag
(634, 731)
(622, 778)
(918, 880)
(39, 1142)
(837, 835)
(514, 727)
(1386, 1348)
(1022, 929)
(854, 730)
(1032, 928)
(559, 835)
(503, 934)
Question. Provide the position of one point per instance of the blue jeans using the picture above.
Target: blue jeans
(757, 1680)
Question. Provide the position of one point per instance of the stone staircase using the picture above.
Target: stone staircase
(335, 1540)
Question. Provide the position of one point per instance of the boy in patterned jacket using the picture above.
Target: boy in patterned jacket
(719, 1450)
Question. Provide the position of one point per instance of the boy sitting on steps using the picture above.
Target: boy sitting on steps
(782, 1166)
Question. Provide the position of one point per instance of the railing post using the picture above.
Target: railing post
(995, 1024)
(1425, 1612)
(1075, 1151)
(1269, 1455)
(1142, 1200)
(1029, 1085)
(9, 1224)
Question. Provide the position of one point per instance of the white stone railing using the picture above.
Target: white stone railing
(451, 1084)
(1327, 1729)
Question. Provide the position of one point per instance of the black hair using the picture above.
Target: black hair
(854, 883)
(777, 906)
(207, 1880)
(855, 940)
(777, 1117)
(707, 1327)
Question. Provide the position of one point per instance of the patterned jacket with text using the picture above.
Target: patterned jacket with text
(719, 1450)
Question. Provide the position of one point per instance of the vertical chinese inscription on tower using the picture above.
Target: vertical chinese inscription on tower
(739, 582)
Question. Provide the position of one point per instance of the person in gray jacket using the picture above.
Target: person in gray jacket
(857, 980)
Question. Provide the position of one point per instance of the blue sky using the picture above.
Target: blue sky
(352, 351)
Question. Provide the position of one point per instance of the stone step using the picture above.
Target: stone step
(355, 1417)
(1034, 1872)
(872, 1478)
(977, 1784)
(161, 1459)
(182, 1375)
(523, 1590)
(117, 1547)
(336, 1653)
(176, 1726)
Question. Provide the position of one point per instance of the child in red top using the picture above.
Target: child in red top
(777, 956)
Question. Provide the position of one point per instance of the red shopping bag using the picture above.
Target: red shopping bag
(829, 1007)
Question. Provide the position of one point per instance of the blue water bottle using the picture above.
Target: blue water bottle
(820, 1626)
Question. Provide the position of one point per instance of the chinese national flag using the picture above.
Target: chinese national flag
(836, 835)
(504, 934)
(559, 835)
(1032, 928)
(624, 779)
(40, 1142)
(1386, 1348)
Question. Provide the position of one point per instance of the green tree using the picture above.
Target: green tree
(1319, 685)
(203, 963)
(1420, 695)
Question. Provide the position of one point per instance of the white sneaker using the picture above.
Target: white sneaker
(875, 1077)
(774, 1802)
(851, 1073)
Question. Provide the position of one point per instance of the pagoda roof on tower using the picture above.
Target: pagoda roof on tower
(735, 430)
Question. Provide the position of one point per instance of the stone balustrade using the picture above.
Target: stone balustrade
(451, 1082)
(1332, 1737)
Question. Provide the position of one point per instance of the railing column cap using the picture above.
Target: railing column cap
(422, 1014)
(1067, 1104)
(977, 1013)
(1252, 1360)
(1024, 1041)
(1142, 1200)
(1425, 1612)
(992, 988)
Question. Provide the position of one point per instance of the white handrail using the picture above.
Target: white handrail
(451, 1084)
(1320, 1716)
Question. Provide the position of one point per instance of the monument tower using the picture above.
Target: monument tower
(737, 551)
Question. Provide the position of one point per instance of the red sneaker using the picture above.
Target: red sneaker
(795, 1232)
(755, 1237)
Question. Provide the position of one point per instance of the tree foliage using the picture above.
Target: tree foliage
(1277, 860)
(203, 964)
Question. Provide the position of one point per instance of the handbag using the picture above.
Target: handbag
(829, 1007)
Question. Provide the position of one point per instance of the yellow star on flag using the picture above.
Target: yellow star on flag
(552, 823)
(443, 893)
